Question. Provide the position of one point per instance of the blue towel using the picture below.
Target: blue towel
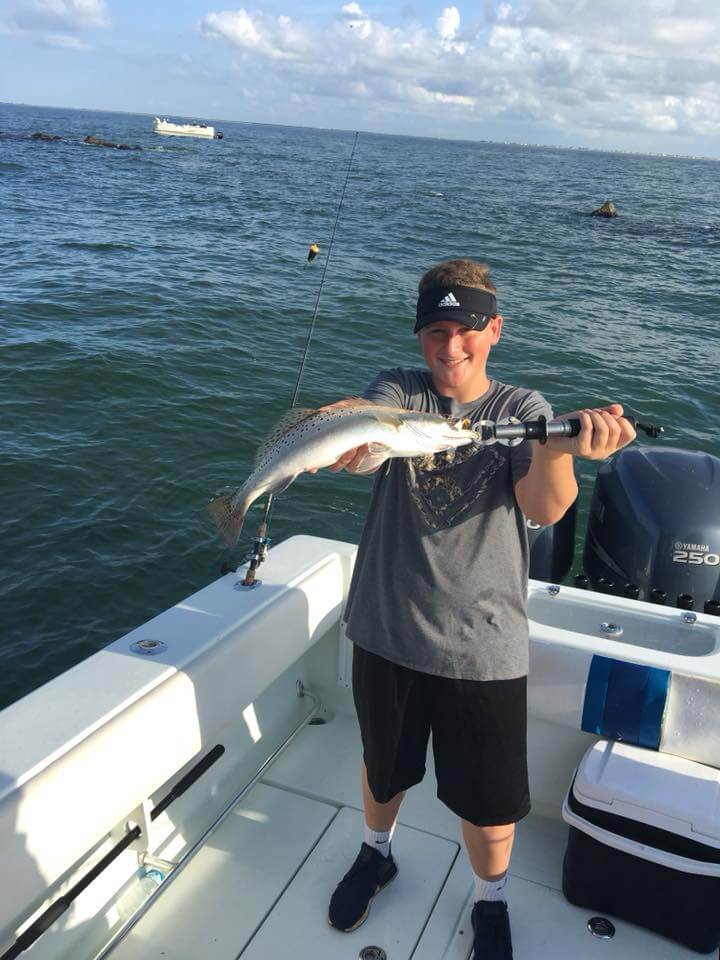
(625, 701)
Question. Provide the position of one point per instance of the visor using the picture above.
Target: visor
(467, 305)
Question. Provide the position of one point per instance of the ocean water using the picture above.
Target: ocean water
(155, 305)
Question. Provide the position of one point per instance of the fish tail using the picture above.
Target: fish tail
(228, 520)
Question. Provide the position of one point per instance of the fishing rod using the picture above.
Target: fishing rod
(510, 431)
(261, 541)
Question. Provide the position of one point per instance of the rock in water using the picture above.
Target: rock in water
(608, 209)
(95, 142)
(39, 135)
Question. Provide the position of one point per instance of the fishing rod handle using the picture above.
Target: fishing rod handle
(542, 428)
(571, 428)
(555, 428)
(539, 429)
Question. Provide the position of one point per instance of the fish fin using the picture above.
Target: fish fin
(377, 454)
(388, 415)
(228, 521)
(357, 402)
(282, 485)
(381, 412)
(378, 449)
(291, 418)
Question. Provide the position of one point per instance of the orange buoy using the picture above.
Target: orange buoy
(313, 251)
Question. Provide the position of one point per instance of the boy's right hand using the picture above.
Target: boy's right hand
(351, 460)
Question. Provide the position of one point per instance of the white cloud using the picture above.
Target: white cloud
(448, 23)
(680, 32)
(55, 23)
(70, 14)
(275, 37)
(568, 65)
(236, 26)
(422, 95)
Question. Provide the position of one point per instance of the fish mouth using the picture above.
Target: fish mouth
(453, 436)
(464, 426)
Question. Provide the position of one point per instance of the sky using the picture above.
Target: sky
(640, 75)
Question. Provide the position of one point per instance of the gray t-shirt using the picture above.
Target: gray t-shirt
(440, 581)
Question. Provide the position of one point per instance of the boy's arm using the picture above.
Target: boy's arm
(549, 487)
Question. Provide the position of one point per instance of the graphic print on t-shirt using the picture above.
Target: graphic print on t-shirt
(445, 486)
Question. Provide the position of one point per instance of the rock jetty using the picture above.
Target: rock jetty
(95, 142)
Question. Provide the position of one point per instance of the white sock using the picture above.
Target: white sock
(379, 840)
(489, 889)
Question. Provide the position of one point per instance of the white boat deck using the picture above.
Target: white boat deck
(260, 886)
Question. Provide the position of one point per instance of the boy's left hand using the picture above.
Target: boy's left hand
(603, 431)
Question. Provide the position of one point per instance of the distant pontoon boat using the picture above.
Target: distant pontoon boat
(183, 129)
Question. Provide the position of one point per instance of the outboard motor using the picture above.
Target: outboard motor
(654, 528)
(552, 548)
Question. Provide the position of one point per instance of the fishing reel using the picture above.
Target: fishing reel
(488, 431)
(255, 556)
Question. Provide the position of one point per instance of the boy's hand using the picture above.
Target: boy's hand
(603, 431)
(350, 460)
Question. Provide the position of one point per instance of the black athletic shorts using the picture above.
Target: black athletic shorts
(478, 734)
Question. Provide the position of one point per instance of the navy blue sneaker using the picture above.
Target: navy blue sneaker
(491, 927)
(350, 903)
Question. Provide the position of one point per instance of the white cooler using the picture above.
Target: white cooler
(644, 841)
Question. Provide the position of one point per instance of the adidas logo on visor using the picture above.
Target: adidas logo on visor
(449, 301)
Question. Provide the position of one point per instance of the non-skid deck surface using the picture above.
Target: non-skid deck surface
(214, 906)
(252, 891)
(395, 922)
(260, 886)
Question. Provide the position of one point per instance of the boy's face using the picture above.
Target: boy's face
(457, 355)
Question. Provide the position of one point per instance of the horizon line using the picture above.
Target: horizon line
(375, 133)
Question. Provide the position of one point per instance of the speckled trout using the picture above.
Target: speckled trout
(311, 439)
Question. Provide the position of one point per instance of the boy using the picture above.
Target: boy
(437, 604)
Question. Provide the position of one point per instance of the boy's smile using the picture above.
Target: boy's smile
(456, 356)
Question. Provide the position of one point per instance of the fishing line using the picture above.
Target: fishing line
(261, 541)
(322, 279)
